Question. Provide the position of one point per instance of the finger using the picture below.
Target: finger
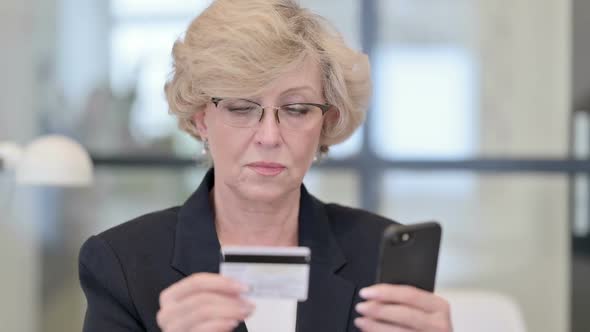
(200, 282)
(370, 325)
(402, 294)
(216, 326)
(193, 321)
(207, 305)
(202, 307)
(399, 314)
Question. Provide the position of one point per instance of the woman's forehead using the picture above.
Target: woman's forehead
(304, 79)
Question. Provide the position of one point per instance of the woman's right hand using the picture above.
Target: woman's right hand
(203, 302)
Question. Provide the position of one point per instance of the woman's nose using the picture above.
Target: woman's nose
(268, 131)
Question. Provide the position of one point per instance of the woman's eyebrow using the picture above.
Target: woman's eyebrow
(302, 88)
(308, 90)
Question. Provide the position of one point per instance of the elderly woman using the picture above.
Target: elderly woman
(267, 86)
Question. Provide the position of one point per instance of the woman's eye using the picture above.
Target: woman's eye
(241, 109)
(297, 109)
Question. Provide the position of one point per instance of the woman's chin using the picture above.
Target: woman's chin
(265, 192)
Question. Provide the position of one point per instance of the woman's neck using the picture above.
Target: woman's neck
(241, 221)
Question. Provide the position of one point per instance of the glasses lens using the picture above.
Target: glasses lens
(239, 112)
(300, 116)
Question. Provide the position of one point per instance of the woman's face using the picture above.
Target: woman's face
(266, 161)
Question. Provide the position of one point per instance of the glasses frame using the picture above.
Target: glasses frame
(324, 107)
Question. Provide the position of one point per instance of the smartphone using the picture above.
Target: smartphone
(409, 255)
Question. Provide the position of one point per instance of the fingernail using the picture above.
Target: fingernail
(249, 305)
(247, 310)
(359, 322)
(366, 292)
(361, 307)
(242, 288)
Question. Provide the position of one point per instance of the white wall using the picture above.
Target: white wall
(20, 40)
(525, 50)
(18, 67)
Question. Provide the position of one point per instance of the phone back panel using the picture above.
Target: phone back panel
(413, 261)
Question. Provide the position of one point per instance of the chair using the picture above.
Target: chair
(483, 311)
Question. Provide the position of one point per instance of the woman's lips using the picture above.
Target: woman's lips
(267, 169)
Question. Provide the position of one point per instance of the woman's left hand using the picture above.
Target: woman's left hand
(396, 308)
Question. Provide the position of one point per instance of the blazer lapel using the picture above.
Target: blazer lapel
(330, 297)
(196, 246)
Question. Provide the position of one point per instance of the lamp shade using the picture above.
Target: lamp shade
(54, 160)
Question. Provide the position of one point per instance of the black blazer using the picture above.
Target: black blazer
(124, 269)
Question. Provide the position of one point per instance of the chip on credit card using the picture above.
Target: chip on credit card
(269, 272)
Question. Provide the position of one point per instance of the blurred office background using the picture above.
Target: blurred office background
(479, 120)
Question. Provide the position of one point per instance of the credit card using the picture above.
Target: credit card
(269, 272)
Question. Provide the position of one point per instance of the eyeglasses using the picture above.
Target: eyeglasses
(244, 113)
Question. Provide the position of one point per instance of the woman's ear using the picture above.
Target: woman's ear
(198, 119)
(331, 118)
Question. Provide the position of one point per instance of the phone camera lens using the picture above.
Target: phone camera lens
(395, 239)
